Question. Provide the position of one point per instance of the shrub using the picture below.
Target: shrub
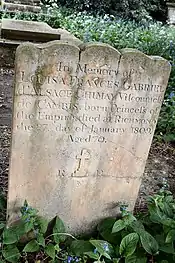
(129, 9)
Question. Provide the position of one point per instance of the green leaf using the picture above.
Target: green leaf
(50, 251)
(13, 233)
(57, 229)
(79, 247)
(149, 243)
(41, 240)
(168, 222)
(129, 219)
(116, 260)
(32, 246)
(57, 248)
(129, 244)
(29, 226)
(155, 218)
(135, 259)
(92, 255)
(168, 210)
(167, 248)
(170, 236)
(42, 224)
(11, 253)
(118, 226)
(105, 230)
(106, 224)
(103, 248)
(137, 226)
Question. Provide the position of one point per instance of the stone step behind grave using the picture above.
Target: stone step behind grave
(14, 32)
(83, 122)
(11, 7)
(33, 6)
(27, 31)
(25, 2)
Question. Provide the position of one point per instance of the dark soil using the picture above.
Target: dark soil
(160, 164)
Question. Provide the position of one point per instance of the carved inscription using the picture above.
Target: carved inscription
(83, 122)
(56, 100)
(59, 99)
(83, 161)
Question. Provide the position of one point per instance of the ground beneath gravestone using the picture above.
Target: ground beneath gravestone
(160, 164)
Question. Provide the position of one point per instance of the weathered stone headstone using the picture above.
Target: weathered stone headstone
(33, 6)
(83, 123)
(171, 13)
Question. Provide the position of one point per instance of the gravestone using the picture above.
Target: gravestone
(83, 122)
(171, 13)
(33, 6)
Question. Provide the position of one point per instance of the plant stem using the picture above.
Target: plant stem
(59, 234)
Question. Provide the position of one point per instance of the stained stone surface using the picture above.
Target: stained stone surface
(83, 122)
(171, 13)
(11, 7)
(25, 2)
(27, 30)
(21, 6)
(67, 37)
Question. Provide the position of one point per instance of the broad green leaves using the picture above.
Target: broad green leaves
(135, 258)
(118, 226)
(42, 224)
(105, 230)
(11, 253)
(149, 243)
(170, 236)
(41, 240)
(13, 233)
(79, 247)
(129, 244)
(125, 240)
(92, 255)
(124, 222)
(103, 248)
(32, 246)
(50, 250)
(59, 231)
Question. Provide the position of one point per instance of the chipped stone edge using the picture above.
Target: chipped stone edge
(136, 51)
(83, 46)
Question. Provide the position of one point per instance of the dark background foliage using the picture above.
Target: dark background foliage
(128, 9)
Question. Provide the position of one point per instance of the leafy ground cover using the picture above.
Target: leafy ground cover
(141, 238)
(137, 10)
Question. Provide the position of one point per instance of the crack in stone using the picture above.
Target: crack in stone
(74, 96)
